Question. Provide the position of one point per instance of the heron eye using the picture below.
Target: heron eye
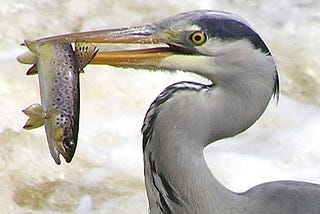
(198, 38)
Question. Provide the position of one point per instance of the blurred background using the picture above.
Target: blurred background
(106, 174)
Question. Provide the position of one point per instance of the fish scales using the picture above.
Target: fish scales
(63, 95)
(58, 67)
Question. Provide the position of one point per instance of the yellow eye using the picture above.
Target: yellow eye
(198, 38)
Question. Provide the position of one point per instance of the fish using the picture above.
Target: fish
(58, 66)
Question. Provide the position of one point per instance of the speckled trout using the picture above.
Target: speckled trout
(58, 67)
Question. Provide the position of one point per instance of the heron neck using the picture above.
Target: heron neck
(184, 184)
(176, 174)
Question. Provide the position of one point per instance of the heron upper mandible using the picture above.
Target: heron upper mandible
(188, 116)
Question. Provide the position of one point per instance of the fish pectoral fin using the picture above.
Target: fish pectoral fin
(35, 110)
(36, 115)
(85, 53)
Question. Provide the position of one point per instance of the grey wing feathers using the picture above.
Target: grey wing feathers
(284, 197)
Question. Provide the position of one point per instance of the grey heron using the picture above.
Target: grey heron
(188, 116)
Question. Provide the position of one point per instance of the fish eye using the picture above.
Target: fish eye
(68, 144)
(198, 38)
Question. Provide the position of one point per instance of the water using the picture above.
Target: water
(106, 174)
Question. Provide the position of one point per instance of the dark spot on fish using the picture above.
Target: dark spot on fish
(69, 110)
(58, 121)
(59, 100)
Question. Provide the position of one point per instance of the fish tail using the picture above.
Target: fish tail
(27, 58)
(30, 57)
(33, 46)
(32, 70)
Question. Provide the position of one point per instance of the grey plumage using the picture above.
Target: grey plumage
(188, 116)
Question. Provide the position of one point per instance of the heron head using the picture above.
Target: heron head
(219, 46)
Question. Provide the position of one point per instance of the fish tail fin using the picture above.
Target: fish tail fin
(30, 57)
(36, 115)
(33, 46)
(33, 70)
(27, 58)
(85, 53)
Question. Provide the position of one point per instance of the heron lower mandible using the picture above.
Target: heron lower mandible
(188, 116)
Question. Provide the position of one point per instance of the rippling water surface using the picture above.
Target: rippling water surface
(106, 174)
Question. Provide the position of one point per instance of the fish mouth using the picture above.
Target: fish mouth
(59, 145)
(56, 151)
(164, 43)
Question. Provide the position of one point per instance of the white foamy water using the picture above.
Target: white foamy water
(106, 174)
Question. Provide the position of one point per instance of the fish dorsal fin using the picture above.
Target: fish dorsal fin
(85, 53)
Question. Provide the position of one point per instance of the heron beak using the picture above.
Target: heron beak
(148, 58)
